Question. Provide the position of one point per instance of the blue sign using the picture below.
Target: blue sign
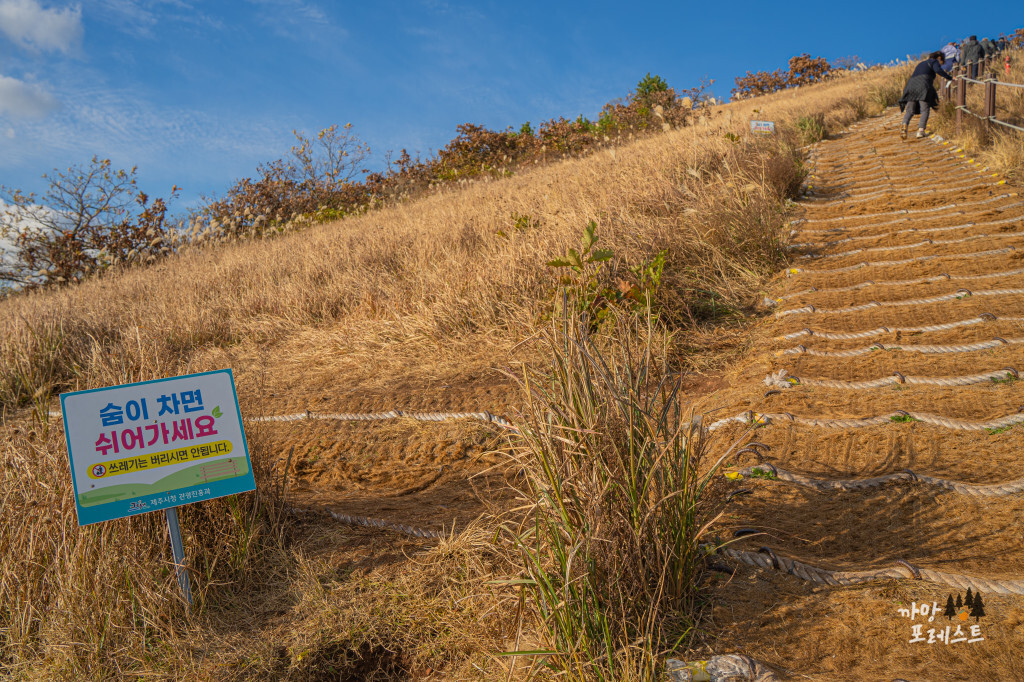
(147, 446)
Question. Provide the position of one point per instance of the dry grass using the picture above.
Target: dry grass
(992, 145)
(414, 289)
(621, 493)
(99, 601)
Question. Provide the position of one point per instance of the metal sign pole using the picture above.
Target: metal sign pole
(178, 550)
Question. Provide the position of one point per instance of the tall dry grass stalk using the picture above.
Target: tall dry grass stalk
(620, 494)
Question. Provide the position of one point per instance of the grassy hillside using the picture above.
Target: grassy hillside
(414, 305)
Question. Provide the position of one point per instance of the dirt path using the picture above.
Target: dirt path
(909, 276)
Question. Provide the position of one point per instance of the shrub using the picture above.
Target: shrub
(90, 217)
(803, 70)
(812, 128)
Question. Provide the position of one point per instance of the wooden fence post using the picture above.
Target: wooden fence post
(990, 101)
(961, 101)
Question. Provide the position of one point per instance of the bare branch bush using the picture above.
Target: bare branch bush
(90, 217)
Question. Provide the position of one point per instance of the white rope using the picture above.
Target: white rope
(915, 230)
(987, 317)
(917, 245)
(903, 211)
(926, 349)
(373, 416)
(893, 282)
(761, 419)
(885, 263)
(957, 295)
(782, 380)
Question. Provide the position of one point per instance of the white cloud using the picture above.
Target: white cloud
(20, 99)
(140, 17)
(118, 124)
(297, 20)
(32, 26)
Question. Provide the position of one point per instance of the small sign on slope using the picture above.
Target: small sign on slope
(155, 445)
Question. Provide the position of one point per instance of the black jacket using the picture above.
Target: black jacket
(972, 52)
(921, 86)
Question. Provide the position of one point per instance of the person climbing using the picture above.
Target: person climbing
(952, 53)
(919, 95)
(971, 54)
(990, 47)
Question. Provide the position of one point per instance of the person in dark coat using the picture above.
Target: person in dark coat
(971, 54)
(919, 95)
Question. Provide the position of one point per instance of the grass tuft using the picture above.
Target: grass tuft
(621, 494)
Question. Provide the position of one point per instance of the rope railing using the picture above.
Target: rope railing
(1007, 125)
(957, 91)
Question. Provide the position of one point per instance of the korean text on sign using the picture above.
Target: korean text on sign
(155, 444)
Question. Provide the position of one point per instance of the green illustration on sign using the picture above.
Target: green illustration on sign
(207, 472)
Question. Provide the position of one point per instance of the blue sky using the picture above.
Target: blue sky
(199, 93)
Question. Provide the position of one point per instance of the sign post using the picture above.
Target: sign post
(762, 127)
(178, 551)
(153, 445)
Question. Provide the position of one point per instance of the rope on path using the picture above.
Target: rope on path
(893, 282)
(882, 180)
(393, 414)
(916, 245)
(905, 261)
(893, 190)
(848, 485)
(376, 416)
(903, 570)
(959, 294)
(723, 668)
(373, 523)
(807, 331)
(886, 178)
(820, 165)
(759, 419)
(927, 349)
(845, 229)
(904, 211)
(782, 380)
(887, 235)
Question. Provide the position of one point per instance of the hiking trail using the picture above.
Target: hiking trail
(886, 408)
